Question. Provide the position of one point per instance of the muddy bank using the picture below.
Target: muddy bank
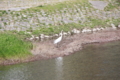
(68, 45)
(73, 43)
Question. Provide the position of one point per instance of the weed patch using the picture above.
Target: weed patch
(12, 46)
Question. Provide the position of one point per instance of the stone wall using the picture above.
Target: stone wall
(24, 21)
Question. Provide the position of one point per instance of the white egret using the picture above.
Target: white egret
(58, 39)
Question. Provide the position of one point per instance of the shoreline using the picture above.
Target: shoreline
(68, 45)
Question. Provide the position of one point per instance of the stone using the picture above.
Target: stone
(101, 28)
(64, 33)
(69, 33)
(94, 30)
(37, 38)
(113, 26)
(56, 35)
(32, 38)
(98, 29)
(86, 30)
(42, 36)
(118, 26)
(46, 36)
(75, 31)
(28, 32)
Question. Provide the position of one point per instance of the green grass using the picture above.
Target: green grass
(111, 6)
(68, 27)
(58, 6)
(115, 4)
(116, 21)
(11, 46)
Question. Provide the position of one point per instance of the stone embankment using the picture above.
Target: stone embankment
(22, 21)
(42, 37)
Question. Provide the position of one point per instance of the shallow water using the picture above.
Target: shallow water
(94, 62)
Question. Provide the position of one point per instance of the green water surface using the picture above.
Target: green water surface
(94, 62)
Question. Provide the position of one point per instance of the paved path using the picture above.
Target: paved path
(99, 4)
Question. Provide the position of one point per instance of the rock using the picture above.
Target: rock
(86, 30)
(42, 36)
(37, 38)
(46, 36)
(94, 30)
(113, 26)
(32, 38)
(56, 35)
(118, 26)
(75, 31)
(101, 28)
(69, 33)
(28, 32)
(89, 30)
(24, 15)
(108, 28)
(64, 33)
(98, 29)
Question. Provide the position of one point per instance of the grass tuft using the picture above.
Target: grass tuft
(12, 46)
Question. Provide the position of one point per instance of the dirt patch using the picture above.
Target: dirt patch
(73, 43)
(69, 44)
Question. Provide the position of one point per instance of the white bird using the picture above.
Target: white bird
(58, 39)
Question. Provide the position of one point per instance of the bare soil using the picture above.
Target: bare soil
(68, 45)
(73, 43)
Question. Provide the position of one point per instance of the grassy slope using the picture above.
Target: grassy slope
(66, 27)
(13, 47)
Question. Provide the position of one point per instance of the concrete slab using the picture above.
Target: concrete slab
(99, 4)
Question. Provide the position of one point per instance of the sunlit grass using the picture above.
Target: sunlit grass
(58, 6)
(112, 6)
(11, 46)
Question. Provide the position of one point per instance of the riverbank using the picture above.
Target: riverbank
(77, 19)
(73, 43)
(69, 45)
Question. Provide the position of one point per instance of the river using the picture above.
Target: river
(94, 62)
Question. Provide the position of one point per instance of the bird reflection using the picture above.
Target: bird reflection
(59, 68)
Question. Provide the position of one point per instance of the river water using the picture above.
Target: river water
(94, 62)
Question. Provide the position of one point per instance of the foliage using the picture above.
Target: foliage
(12, 46)
(113, 5)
